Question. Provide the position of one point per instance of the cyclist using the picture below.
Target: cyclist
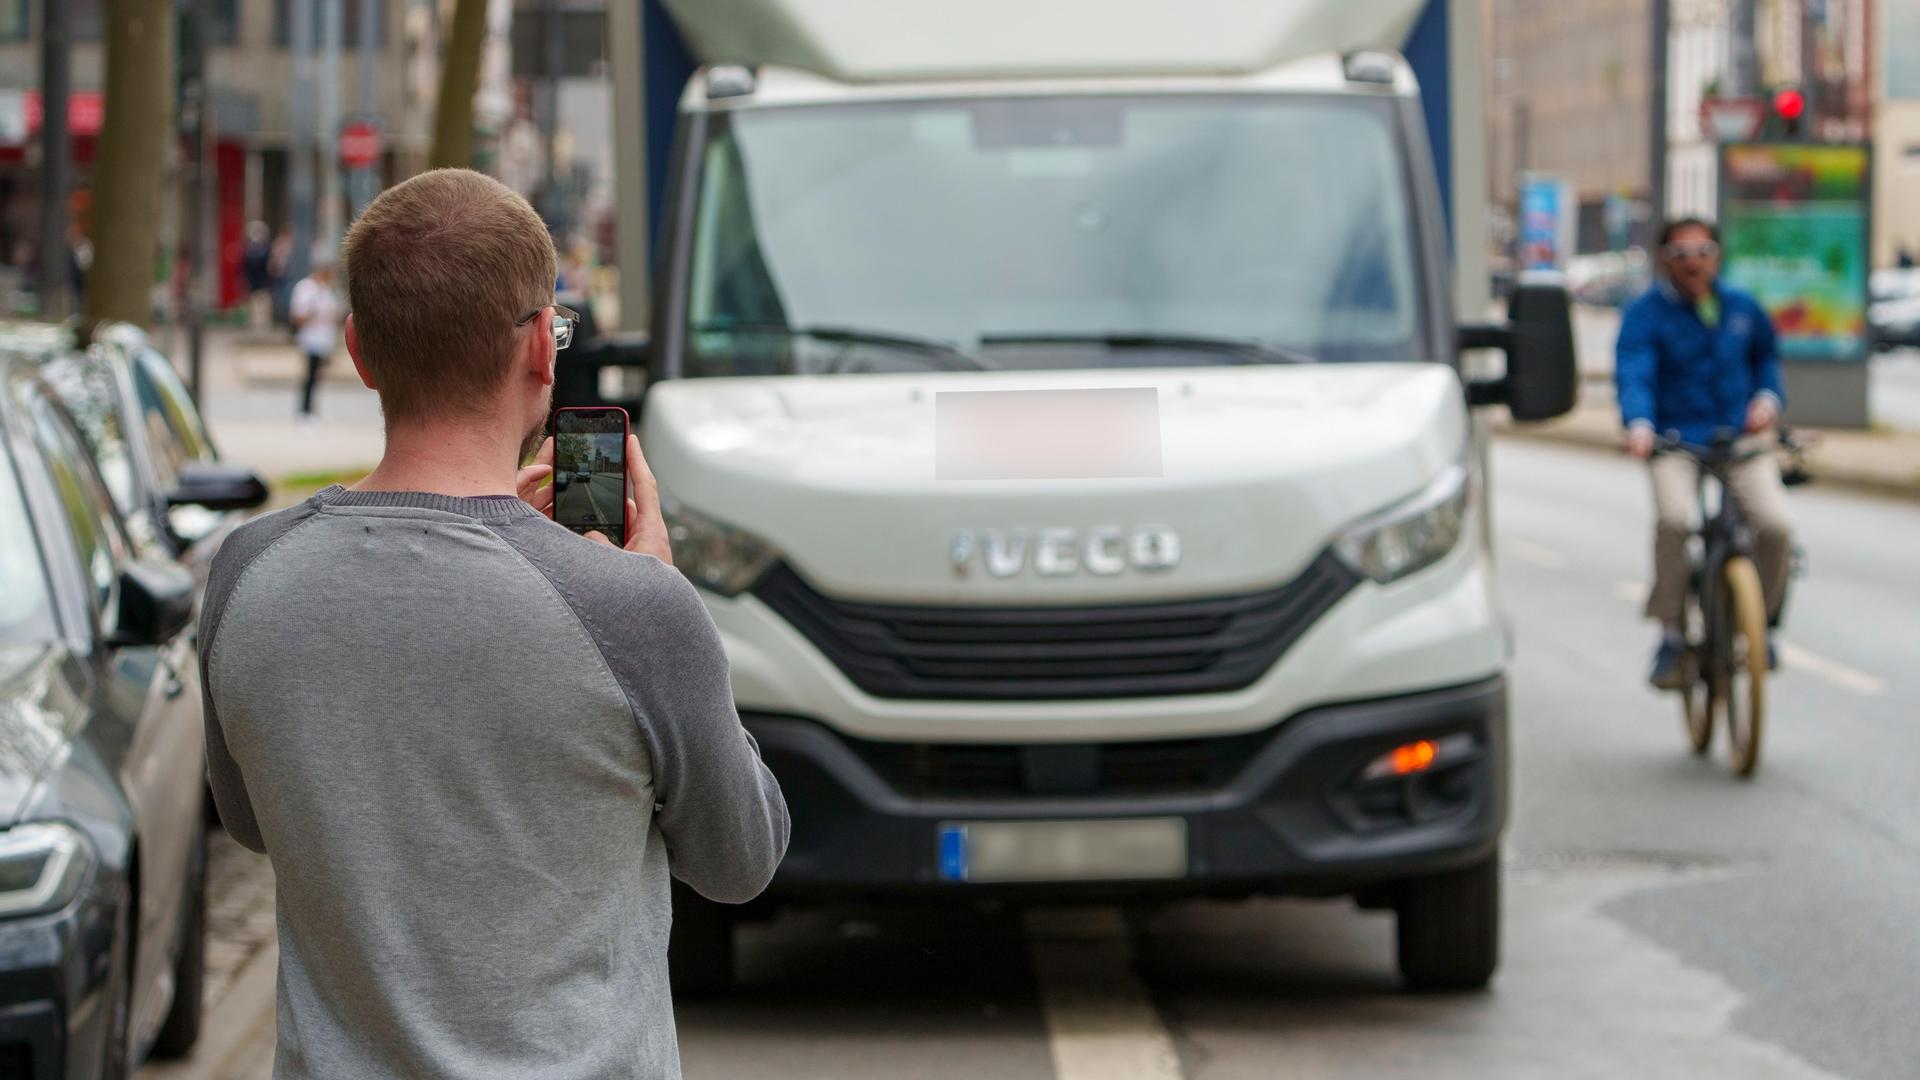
(1697, 358)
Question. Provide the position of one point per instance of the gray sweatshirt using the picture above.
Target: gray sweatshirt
(474, 746)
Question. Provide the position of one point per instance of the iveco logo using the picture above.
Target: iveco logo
(1058, 552)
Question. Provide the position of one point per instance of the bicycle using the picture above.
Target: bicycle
(1726, 624)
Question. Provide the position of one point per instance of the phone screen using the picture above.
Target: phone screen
(590, 471)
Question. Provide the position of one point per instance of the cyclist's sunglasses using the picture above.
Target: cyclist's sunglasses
(564, 320)
(1706, 249)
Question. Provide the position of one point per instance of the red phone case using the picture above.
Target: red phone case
(626, 430)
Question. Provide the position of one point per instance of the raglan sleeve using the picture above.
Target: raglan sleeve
(720, 808)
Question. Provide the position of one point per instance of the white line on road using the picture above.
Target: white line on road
(1537, 554)
(1833, 671)
(1101, 1025)
(1791, 655)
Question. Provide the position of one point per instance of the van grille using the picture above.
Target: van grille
(948, 770)
(1051, 653)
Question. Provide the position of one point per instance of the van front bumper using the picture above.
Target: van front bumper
(1288, 809)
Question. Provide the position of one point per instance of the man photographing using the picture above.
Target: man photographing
(474, 745)
(1697, 359)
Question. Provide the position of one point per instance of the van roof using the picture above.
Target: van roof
(776, 85)
(884, 41)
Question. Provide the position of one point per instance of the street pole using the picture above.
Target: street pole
(196, 109)
(1809, 73)
(1657, 112)
(1743, 64)
(329, 133)
(364, 184)
(55, 158)
(300, 123)
(626, 48)
(555, 40)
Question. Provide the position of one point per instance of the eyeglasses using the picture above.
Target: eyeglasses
(564, 320)
(1706, 249)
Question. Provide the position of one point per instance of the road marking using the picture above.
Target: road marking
(1633, 592)
(1791, 655)
(1101, 1025)
(1537, 554)
(1833, 671)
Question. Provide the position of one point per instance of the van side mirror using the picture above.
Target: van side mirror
(1542, 380)
(218, 487)
(156, 602)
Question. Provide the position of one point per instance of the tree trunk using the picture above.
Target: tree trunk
(130, 167)
(459, 76)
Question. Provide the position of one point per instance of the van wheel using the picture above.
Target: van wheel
(1449, 927)
(700, 949)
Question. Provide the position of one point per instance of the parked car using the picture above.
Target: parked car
(1893, 311)
(151, 446)
(102, 849)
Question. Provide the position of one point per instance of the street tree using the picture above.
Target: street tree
(459, 77)
(130, 168)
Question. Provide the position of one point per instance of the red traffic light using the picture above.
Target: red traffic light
(1788, 104)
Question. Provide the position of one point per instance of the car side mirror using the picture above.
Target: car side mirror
(1542, 379)
(218, 487)
(156, 602)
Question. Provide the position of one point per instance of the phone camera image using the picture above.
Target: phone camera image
(590, 472)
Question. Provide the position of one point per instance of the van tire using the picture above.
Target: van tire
(1449, 927)
(700, 947)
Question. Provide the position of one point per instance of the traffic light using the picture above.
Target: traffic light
(1789, 104)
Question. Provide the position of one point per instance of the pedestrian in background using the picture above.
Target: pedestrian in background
(476, 746)
(256, 273)
(316, 312)
(1697, 359)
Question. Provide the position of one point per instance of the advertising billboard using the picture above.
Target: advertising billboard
(1546, 222)
(1793, 223)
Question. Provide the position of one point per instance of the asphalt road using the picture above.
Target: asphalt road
(602, 499)
(1663, 919)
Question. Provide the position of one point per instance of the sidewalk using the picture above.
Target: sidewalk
(1882, 462)
(252, 387)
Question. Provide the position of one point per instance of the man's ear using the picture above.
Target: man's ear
(542, 357)
(353, 350)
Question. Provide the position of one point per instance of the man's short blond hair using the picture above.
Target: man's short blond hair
(438, 268)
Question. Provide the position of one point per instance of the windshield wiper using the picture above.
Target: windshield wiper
(948, 354)
(1244, 350)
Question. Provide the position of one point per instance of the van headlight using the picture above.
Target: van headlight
(1410, 535)
(41, 867)
(714, 555)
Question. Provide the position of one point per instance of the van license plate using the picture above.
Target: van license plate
(1103, 850)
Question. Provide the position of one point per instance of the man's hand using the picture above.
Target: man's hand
(527, 484)
(647, 529)
(1639, 442)
(1761, 415)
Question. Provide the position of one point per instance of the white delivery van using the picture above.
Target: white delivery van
(1082, 476)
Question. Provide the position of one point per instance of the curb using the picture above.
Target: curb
(1824, 474)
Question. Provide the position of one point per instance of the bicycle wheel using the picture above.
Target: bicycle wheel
(1741, 673)
(1696, 710)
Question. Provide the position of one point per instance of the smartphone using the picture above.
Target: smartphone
(590, 471)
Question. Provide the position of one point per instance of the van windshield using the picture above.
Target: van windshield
(1051, 233)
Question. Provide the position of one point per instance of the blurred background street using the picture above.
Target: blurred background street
(1016, 162)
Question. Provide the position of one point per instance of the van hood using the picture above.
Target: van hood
(1261, 467)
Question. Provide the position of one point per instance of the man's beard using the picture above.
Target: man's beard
(538, 434)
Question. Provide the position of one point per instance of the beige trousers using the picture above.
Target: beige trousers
(1756, 485)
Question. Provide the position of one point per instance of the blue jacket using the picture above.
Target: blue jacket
(1680, 375)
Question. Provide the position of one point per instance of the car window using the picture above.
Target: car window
(168, 413)
(99, 542)
(85, 385)
(26, 615)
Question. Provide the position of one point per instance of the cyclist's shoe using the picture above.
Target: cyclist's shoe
(1668, 669)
